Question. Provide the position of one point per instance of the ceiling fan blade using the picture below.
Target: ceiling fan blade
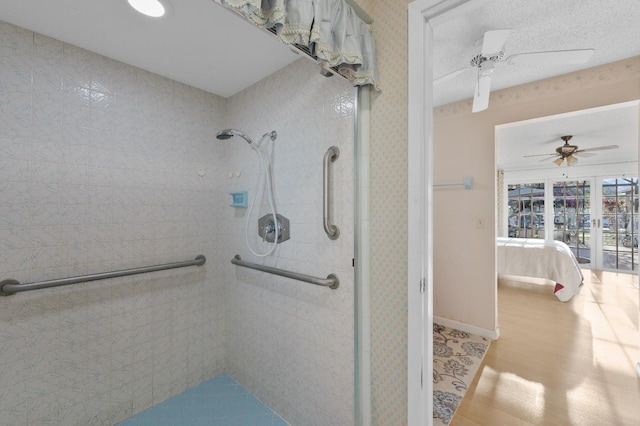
(539, 155)
(451, 75)
(582, 154)
(598, 148)
(493, 41)
(554, 57)
(481, 94)
(544, 159)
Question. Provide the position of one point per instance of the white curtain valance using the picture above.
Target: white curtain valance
(330, 29)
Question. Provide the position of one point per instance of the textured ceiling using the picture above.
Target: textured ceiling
(611, 27)
(202, 44)
(198, 43)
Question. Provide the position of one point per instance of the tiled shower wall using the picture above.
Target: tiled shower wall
(289, 342)
(99, 170)
(104, 166)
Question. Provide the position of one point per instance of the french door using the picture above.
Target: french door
(617, 224)
(572, 201)
(598, 219)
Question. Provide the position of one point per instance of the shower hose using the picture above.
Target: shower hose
(265, 165)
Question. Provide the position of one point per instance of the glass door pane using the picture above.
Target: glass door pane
(620, 224)
(572, 217)
(526, 210)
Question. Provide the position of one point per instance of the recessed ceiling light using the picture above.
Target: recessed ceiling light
(153, 8)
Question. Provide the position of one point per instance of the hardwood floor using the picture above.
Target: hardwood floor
(557, 363)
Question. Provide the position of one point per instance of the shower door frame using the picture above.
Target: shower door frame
(362, 309)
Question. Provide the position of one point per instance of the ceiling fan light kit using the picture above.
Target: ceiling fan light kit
(570, 152)
(492, 53)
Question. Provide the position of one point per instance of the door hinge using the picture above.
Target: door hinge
(423, 283)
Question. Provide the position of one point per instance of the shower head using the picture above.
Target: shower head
(271, 135)
(229, 133)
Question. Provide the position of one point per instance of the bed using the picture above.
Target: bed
(552, 260)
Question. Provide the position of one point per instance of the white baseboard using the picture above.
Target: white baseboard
(482, 332)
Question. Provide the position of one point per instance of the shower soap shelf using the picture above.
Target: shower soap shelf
(239, 199)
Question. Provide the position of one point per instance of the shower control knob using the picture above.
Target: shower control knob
(267, 228)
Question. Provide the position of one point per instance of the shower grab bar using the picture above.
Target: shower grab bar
(11, 286)
(332, 154)
(331, 281)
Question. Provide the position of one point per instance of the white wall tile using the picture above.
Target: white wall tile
(278, 330)
(99, 171)
(86, 183)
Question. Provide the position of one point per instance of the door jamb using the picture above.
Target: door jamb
(423, 15)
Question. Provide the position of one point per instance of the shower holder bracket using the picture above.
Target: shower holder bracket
(266, 228)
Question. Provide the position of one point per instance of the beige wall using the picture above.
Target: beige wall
(388, 212)
(464, 255)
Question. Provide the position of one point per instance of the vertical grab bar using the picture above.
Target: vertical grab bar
(332, 154)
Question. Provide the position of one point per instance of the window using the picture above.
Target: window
(526, 210)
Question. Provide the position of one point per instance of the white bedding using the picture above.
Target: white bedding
(536, 258)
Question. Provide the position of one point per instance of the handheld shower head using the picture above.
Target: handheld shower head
(265, 167)
(229, 133)
(271, 135)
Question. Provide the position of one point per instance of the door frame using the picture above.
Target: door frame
(423, 16)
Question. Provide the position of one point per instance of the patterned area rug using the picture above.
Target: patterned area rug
(457, 355)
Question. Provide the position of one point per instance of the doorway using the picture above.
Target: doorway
(590, 203)
(420, 165)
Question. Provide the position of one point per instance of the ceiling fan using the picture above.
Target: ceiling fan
(493, 52)
(571, 152)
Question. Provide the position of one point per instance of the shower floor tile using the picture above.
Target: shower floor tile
(220, 401)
